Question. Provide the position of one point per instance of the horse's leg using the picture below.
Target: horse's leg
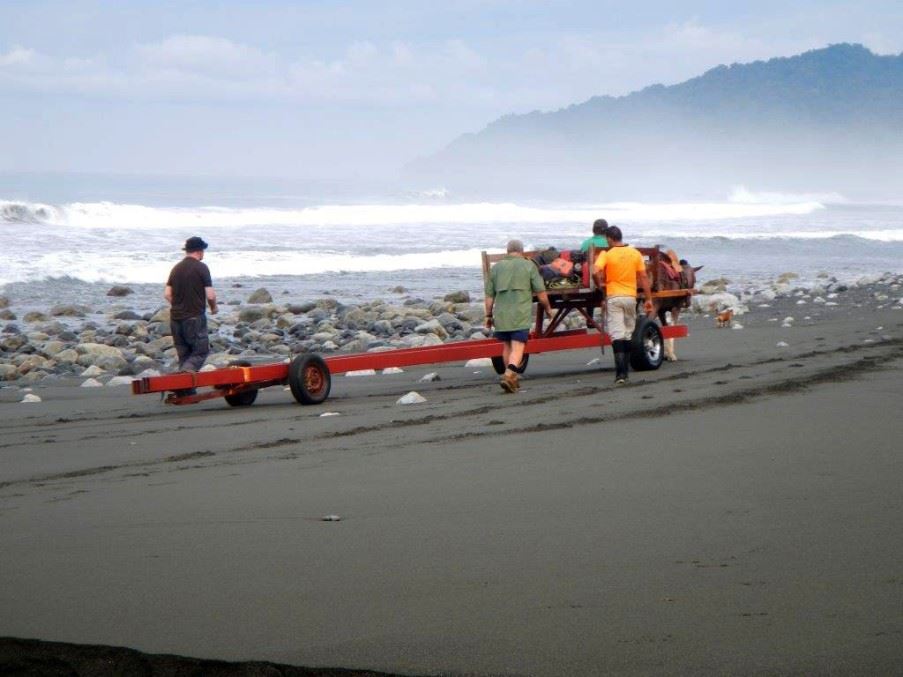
(670, 355)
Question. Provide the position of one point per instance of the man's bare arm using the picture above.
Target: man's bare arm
(211, 299)
(167, 293)
(488, 303)
(543, 298)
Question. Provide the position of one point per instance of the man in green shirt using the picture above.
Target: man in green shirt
(598, 239)
(509, 307)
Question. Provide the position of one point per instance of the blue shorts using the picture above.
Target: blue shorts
(520, 335)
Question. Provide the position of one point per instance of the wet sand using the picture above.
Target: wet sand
(737, 512)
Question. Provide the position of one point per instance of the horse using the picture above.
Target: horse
(673, 274)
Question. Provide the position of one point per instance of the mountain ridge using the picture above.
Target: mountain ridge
(838, 105)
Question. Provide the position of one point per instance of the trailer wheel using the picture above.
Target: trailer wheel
(499, 364)
(243, 399)
(309, 379)
(646, 347)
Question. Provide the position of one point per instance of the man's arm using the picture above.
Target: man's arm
(488, 302)
(167, 293)
(543, 299)
(211, 299)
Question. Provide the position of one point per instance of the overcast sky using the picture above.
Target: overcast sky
(325, 89)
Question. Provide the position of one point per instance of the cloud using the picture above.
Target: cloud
(17, 56)
(205, 56)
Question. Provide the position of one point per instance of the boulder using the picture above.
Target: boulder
(7, 314)
(458, 297)
(52, 348)
(432, 327)
(127, 315)
(35, 316)
(4, 302)
(260, 296)
(69, 310)
(119, 290)
(33, 362)
(301, 308)
(67, 356)
(251, 314)
(161, 315)
(8, 372)
(98, 349)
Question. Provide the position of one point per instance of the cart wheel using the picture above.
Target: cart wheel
(499, 364)
(243, 399)
(646, 349)
(309, 379)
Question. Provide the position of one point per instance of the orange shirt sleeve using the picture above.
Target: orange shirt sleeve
(640, 264)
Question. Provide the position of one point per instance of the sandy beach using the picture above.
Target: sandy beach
(735, 512)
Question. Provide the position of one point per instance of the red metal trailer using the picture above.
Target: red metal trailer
(309, 375)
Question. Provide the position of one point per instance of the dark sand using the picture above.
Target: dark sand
(737, 512)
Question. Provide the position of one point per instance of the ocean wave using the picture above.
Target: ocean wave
(741, 195)
(115, 216)
(125, 267)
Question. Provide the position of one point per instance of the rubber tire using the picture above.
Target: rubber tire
(301, 388)
(641, 357)
(243, 399)
(499, 364)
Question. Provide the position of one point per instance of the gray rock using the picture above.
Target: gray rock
(69, 310)
(431, 327)
(162, 315)
(4, 302)
(8, 372)
(119, 290)
(260, 296)
(251, 314)
(7, 314)
(127, 315)
(301, 308)
(458, 297)
(35, 316)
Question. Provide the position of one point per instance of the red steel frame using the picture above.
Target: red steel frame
(233, 380)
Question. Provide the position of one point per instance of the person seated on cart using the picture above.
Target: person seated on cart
(598, 239)
(510, 286)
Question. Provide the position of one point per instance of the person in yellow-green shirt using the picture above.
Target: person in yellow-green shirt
(509, 307)
(619, 269)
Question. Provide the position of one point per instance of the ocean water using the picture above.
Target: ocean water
(358, 247)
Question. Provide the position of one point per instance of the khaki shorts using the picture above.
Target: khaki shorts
(620, 317)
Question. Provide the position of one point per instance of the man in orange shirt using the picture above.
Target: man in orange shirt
(619, 268)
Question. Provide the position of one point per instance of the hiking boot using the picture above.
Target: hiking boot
(509, 382)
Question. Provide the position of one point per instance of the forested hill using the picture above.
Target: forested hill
(828, 119)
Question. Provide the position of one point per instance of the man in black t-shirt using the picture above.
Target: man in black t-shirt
(189, 290)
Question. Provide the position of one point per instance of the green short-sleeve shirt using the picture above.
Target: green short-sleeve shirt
(512, 283)
(599, 241)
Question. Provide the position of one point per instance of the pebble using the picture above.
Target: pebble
(361, 372)
(331, 518)
(428, 378)
(121, 381)
(782, 344)
(393, 370)
(329, 413)
(91, 383)
(478, 362)
(736, 325)
(30, 398)
(412, 397)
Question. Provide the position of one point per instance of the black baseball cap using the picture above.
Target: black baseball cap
(194, 244)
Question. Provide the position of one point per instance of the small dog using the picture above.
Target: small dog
(723, 319)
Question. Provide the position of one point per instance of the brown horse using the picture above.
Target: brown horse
(673, 274)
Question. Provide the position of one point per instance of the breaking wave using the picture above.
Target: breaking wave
(111, 215)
